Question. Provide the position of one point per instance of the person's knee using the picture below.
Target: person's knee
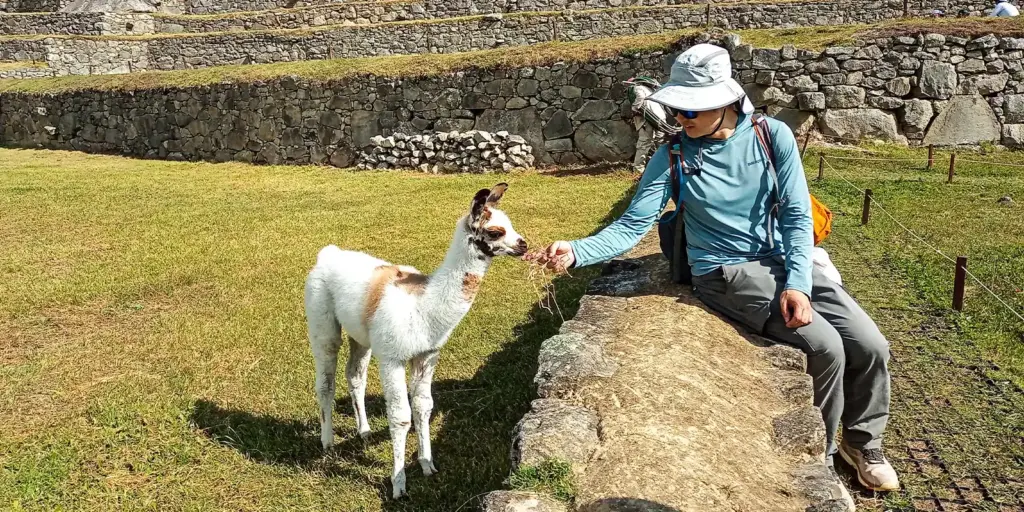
(869, 345)
(825, 344)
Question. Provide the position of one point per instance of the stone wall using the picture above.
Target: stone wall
(76, 23)
(96, 56)
(31, 5)
(460, 35)
(23, 50)
(767, 15)
(474, 6)
(926, 88)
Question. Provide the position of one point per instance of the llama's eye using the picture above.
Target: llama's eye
(495, 234)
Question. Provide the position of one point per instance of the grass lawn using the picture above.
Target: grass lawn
(153, 347)
(154, 350)
(957, 422)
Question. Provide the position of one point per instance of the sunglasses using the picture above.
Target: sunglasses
(688, 114)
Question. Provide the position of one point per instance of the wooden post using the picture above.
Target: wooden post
(952, 166)
(821, 166)
(906, 8)
(866, 214)
(707, 15)
(931, 156)
(807, 138)
(958, 283)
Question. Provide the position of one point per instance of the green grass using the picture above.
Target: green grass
(962, 218)
(154, 351)
(956, 396)
(552, 477)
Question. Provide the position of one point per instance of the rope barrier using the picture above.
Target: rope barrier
(925, 242)
(874, 159)
(961, 160)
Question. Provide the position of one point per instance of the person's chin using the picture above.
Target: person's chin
(693, 133)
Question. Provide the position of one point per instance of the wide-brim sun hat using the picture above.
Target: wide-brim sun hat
(701, 79)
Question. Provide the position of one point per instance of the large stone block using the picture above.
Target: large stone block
(801, 431)
(860, 123)
(964, 120)
(797, 120)
(937, 80)
(1013, 108)
(606, 141)
(596, 110)
(524, 122)
(566, 359)
(1013, 136)
(365, 126)
(844, 96)
(519, 501)
(916, 116)
(554, 429)
(558, 126)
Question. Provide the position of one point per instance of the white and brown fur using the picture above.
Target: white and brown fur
(401, 316)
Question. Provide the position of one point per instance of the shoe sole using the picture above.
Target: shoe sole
(849, 460)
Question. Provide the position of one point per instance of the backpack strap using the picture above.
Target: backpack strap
(675, 161)
(764, 139)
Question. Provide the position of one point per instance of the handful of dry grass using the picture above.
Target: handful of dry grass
(539, 272)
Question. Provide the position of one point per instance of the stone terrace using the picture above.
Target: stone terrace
(926, 88)
(102, 43)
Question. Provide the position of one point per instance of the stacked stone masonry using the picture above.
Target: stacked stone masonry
(440, 36)
(74, 55)
(472, 151)
(922, 89)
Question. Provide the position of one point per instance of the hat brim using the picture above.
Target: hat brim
(699, 99)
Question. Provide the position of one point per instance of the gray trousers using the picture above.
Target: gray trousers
(847, 356)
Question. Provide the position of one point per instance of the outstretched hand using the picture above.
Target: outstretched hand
(558, 256)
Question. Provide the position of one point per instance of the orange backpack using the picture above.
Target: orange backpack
(822, 215)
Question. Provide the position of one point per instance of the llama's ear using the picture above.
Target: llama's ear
(496, 193)
(479, 202)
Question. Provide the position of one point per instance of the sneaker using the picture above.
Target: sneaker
(873, 471)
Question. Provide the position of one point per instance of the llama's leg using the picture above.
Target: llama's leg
(324, 340)
(422, 405)
(392, 378)
(355, 373)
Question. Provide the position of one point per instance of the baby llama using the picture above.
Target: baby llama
(401, 316)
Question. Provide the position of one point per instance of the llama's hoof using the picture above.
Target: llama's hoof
(327, 442)
(398, 484)
(428, 467)
(365, 436)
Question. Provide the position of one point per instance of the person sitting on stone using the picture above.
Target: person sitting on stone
(1005, 8)
(749, 264)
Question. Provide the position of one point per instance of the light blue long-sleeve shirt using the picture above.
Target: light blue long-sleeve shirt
(726, 207)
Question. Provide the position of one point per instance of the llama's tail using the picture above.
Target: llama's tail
(328, 252)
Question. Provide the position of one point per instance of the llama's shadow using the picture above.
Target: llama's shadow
(271, 440)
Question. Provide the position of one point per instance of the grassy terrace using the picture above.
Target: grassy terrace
(957, 397)
(153, 346)
(154, 350)
(546, 53)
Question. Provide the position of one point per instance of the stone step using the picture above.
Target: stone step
(123, 54)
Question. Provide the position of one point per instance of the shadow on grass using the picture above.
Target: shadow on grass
(472, 443)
